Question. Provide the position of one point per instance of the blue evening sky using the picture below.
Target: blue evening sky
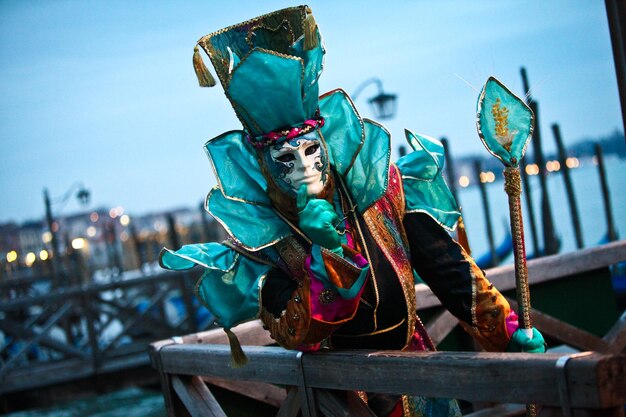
(103, 92)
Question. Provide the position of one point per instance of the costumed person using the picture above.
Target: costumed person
(325, 233)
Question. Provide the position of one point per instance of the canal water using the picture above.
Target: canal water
(131, 402)
(146, 403)
(587, 190)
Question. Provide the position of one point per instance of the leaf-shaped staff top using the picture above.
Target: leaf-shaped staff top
(505, 123)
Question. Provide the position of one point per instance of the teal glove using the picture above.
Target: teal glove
(521, 343)
(316, 219)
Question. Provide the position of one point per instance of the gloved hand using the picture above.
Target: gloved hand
(521, 343)
(316, 219)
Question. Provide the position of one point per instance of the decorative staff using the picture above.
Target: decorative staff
(505, 126)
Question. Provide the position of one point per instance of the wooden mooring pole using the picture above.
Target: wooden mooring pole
(450, 171)
(486, 211)
(569, 188)
(530, 211)
(550, 241)
(616, 16)
(611, 233)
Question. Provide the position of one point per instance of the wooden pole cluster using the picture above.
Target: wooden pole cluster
(569, 188)
(550, 241)
(611, 233)
(487, 212)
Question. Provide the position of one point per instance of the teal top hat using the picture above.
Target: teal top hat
(269, 67)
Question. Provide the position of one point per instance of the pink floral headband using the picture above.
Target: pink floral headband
(285, 134)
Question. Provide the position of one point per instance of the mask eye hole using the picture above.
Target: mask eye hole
(286, 157)
(311, 149)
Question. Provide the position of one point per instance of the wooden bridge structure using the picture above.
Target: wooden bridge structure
(589, 379)
(96, 332)
(101, 332)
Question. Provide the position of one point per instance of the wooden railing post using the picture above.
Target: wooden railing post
(91, 318)
(187, 294)
(164, 377)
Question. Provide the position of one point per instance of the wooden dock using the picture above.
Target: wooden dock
(587, 383)
(95, 337)
(85, 338)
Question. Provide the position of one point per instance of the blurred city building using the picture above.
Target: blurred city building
(100, 243)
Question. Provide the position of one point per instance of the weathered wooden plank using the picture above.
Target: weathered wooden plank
(250, 333)
(616, 336)
(273, 365)
(64, 293)
(260, 391)
(291, 405)
(52, 320)
(341, 404)
(440, 326)
(601, 381)
(542, 269)
(604, 412)
(13, 328)
(51, 373)
(565, 332)
(501, 410)
(197, 398)
(594, 381)
(135, 319)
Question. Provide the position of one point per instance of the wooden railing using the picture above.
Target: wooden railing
(77, 332)
(589, 383)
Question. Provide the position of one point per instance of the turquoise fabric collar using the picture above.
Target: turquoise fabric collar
(359, 151)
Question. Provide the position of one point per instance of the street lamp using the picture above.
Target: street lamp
(82, 194)
(383, 104)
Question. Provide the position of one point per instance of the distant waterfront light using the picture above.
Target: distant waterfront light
(11, 256)
(91, 231)
(79, 243)
(46, 237)
(94, 217)
(124, 236)
(464, 181)
(572, 162)
(532, 169)
(125, 220)
(43, 255)
(113, 213)
(553, 166)
(30, 258)
(487, 177)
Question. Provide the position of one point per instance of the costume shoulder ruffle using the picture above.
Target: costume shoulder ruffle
(358, 150)
(425, 189)
(231, 284)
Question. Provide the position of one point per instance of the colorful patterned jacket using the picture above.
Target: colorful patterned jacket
(396, 216)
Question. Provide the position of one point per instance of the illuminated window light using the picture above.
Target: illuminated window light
(46, 237)
(30, 258)
(79, 243)
(572, 162)
(11, 256)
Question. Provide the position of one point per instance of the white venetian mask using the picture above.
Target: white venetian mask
(299, 161)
